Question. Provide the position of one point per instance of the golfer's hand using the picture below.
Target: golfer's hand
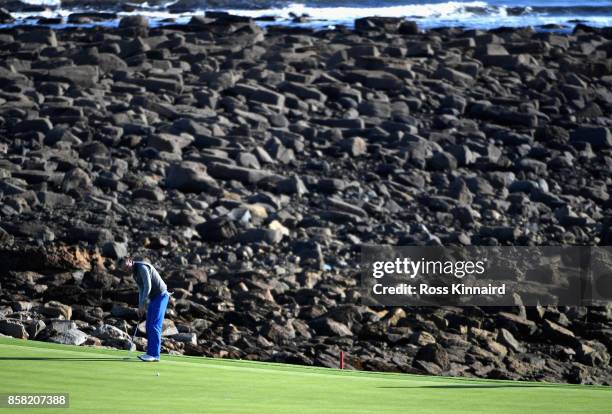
(141, 311)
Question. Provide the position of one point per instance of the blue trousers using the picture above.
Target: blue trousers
(155, 321)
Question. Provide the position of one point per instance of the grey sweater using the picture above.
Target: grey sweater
(150, 283)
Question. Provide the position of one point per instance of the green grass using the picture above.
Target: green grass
(104, 381)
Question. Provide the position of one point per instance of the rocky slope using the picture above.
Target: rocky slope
(250, 165)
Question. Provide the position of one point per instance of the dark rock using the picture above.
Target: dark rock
(328, 327)
(153, 194)
(331, 185)
(510, 62)
(84, 76)
(134, 21)
(434, 353)
(598, 137)
(89, 234)
(454, 76)
(419, 49)
(185, 337)
(60, 326)
(154, 84)
(35, 328)
(259, 94)
(516, 324)
(32, 230)
(442, 161)
(430, 368)
(114, 250)
(502, 234)
(5, 16)
(558, 333)
(503, 116)
(593, 353)
(354, 146)
(260, 235)
(169, 142)
(506, 338)
(41, 36)
(309, 252)
(245, 175)
(109, 332)
(123, 312)
(302, 91)
(385, 24)
(54, 200)
(108, 62)
(54, 309)
(85, 17)
(70, 337)
(462, 154)
(218, 230)
(291, 185)
(76, 180)
(408, 27)
(41, 125)
(375, 79)
(13, 328)
(189, 176)
(278, 333)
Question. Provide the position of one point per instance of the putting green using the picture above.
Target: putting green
(104, 381)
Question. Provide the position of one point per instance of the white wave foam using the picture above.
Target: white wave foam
(451, 9)
(43, 2)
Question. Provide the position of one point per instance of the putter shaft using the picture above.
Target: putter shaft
(132, 344)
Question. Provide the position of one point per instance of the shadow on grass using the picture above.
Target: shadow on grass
(125, 359)
(456, 386)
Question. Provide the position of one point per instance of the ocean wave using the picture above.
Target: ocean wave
(429, 13)
(321, 10)
(573, 10)
(318, 8)
(421, 11)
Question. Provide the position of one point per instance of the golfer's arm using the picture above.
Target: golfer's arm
(145, 278)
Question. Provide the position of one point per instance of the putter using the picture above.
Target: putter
(132, 344)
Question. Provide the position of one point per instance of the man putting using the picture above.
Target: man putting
(151, 287)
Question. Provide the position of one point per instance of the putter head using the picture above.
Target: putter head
(132, 346)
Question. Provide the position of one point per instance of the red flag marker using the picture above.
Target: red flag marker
(341, 359)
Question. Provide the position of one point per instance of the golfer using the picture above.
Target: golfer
(150, 287)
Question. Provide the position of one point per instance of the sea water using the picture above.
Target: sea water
(328, 13)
